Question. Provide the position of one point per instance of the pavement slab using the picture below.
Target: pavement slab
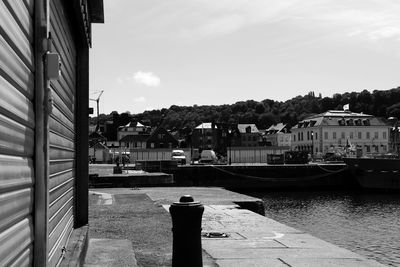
(110, 253)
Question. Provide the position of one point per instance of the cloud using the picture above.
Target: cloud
(209, 17)
(146, 78)
(196, 19)
(140, 99)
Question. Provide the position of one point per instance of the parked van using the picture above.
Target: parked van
(179, 156)
(208, 156)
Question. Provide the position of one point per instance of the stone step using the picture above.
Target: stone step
(110, 252)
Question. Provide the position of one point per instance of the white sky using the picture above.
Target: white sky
(152, 54)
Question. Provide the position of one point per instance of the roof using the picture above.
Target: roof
(340, 113)
(276, 128)
(135, 138)
(242, 128)
(205, 125)
(97, 135)
(133, 124)
(99, 145)
(340, 118)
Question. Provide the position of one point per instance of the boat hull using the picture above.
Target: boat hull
(376, 173)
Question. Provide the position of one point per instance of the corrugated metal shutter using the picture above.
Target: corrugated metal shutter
(17, 122)
(62, 135)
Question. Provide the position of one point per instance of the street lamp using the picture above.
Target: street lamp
(396, 131)
(312, 144)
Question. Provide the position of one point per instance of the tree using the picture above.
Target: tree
(260, 108)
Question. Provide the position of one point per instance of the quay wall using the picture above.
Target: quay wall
(265, 176)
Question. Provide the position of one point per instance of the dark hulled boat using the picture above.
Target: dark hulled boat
(376, 172)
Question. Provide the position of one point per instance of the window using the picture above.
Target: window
(308, 135)
(368, 135)
(299, 137)
(384, 135)
(316, 137)
(334, 135)
(351, 135)
(376, 135)
(302, 137)
(384, 148)
(326, 135)
(343, 135)
(368, 148)
(152, 145)
(359, 135)
(376, 148)
(294, 138)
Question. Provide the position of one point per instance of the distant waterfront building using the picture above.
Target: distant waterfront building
(133, 128)
(161, 138)
(202, 136)
(277, 135)
(249, 134)
(134, 141)
(341, 129)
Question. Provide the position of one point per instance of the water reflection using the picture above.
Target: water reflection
(366, 223)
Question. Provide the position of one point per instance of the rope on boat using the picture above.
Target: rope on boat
(327, 170)
(281, 179)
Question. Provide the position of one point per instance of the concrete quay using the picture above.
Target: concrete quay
(137, 225)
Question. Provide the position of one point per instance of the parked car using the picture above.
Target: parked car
(208, 156)
(179, 156)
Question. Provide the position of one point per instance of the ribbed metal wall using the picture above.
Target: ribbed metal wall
(17, 122)
(62, 135)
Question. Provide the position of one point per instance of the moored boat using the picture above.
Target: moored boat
(376, 172)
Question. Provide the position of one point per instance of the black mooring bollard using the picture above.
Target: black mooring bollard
(186, 228)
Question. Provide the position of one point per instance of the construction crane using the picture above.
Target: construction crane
(97, 102)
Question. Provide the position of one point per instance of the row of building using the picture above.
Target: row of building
(327, 132)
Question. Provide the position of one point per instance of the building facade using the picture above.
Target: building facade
(202, 136)
(133, 128)
(250, 136)
(161, 138)
(44, 126)
(340, 130)
(277, 135)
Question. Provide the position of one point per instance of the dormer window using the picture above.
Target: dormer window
(366, 123)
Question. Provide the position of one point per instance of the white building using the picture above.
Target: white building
(340, 129)
(278, 135)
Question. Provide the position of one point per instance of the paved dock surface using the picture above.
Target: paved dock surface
(137, 222)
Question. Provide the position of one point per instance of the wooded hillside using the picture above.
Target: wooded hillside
(267, 112)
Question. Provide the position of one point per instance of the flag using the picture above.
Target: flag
(348, 144)
(346, 107)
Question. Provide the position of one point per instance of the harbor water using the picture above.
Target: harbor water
(365, 223)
